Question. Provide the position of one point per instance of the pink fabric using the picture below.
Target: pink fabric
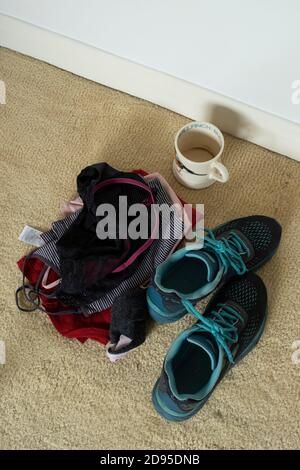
(193, 218)
(68, 208)
(103, 184)
(45, 280)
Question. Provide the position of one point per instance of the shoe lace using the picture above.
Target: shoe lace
(229, 251)
(221, 325)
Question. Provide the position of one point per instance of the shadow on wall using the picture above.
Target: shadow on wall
(230, 121)
(239, 125)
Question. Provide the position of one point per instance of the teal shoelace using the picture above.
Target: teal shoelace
(221, 325)
(229, 250)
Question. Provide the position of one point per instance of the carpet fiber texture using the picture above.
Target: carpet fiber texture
(57, 393)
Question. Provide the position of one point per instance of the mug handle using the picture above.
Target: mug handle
(219, 172)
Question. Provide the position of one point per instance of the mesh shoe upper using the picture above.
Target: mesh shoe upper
(250, 293)
(263, 232)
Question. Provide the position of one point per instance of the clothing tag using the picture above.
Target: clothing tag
(31, 236)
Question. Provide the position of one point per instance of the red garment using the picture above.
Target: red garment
(77, 326)
(95, 326)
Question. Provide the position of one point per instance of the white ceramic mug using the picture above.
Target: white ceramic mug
(198, 150)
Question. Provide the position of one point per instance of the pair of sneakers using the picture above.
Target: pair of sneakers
(233, 320)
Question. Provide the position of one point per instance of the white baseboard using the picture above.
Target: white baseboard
(185, 98)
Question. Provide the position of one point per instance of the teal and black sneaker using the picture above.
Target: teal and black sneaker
(200, 356)
(231, 249)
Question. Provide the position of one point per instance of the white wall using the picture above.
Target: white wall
(245, 49)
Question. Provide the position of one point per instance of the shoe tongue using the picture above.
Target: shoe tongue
(209, 259)
(208, 345)
(248, 256)
(240, 323)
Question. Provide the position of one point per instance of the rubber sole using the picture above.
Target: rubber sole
(165, 414)
(156, 314)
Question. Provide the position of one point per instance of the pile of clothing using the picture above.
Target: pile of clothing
(94, 288)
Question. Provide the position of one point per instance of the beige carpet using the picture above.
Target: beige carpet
(57, 393)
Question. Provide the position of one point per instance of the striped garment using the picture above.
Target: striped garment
(155, 255)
